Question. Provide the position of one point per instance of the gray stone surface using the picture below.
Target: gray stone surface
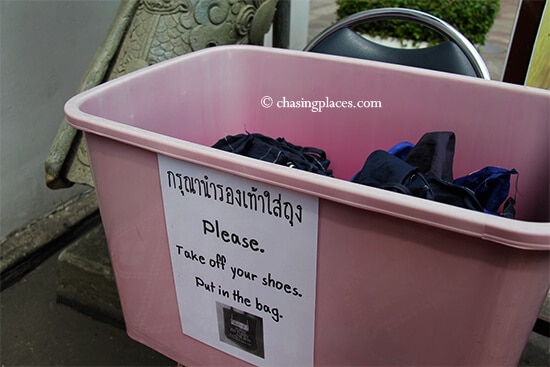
(85, 278)
(23, 250)
(38, 331)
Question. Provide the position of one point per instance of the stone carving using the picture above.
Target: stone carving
(163, 29)
(143, 33)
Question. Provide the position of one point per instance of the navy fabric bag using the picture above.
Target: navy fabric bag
(405, 165)
(277, 151)
(386, 171)
(491, 186)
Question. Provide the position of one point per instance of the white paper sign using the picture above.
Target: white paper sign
(244, 257)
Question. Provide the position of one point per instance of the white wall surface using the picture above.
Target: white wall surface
(299, 22)
(45, 47)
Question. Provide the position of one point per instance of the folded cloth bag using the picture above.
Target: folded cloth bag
(386, 171)
(277, 151)
(491, 186)
(433, 155)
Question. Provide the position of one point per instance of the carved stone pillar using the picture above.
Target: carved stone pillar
(143, 33)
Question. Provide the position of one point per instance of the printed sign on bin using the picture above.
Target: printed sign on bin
(244, 257)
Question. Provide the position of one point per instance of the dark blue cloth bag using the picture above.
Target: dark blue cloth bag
(278, 151)
(386, 171)
(426, 170)
(491, 186)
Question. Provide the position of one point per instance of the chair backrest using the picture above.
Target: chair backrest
(457, 55)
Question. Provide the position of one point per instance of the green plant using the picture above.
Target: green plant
(473, 18)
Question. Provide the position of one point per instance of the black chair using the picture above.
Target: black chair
(457, 55)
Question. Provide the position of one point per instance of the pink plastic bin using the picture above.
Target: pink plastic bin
(400, 280)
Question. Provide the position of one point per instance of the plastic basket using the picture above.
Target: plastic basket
(397, 280)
